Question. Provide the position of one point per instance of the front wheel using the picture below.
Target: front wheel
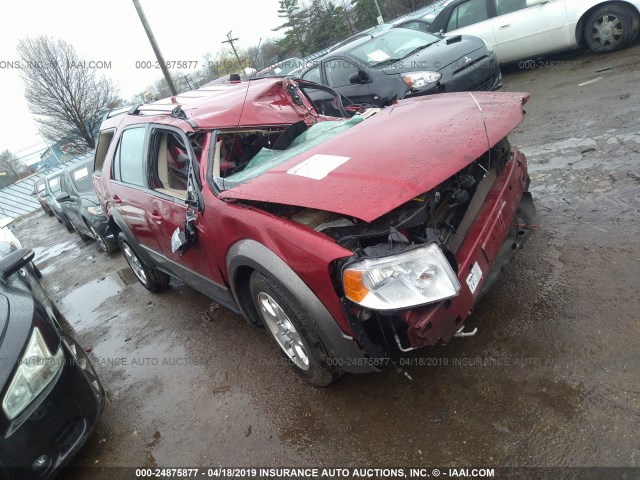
(102, 242)
(609, 28)
(293, 331)
(150, 278)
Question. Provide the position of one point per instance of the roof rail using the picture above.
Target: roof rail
(116, 112)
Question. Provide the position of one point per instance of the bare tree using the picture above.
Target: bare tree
(68, 97)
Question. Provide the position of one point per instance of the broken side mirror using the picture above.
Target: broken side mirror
(359, 78)
(183, 238)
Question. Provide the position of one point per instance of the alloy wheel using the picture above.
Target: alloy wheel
(607, 31)
(283, 330)
(134, 263)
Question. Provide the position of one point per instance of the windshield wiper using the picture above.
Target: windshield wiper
(416, 50)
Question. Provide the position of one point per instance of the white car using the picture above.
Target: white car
(518, 29)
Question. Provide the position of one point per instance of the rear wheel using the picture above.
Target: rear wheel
(293, 330)
(150, 278)
(609, 28)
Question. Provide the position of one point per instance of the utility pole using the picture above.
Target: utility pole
(380, 19)
(230, 41)
(156, 49)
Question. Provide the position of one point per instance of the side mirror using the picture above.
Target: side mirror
(182, 239)
(359, 78)
(15, 261)
(63, 197)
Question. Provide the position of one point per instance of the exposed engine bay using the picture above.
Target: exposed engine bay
(442, 215)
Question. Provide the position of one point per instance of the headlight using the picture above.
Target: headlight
(416, 80)
(407, 280)
(486, 44)
(95, 210)
(38, 367)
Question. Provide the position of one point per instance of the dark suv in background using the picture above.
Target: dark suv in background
(81, 207)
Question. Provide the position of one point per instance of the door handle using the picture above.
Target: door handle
(156, 216)
(116, 199)
(504, 27)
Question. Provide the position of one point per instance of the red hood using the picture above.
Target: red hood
(401, 152)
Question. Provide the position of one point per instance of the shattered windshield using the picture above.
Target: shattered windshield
(267, 159)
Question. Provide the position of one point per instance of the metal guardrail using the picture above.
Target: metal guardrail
(16, 200)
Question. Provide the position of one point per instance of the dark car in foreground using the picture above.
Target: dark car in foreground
(80, 205)
(40, 192)
(51, 396)
(52, 187)
(351, 240)
(400, 63)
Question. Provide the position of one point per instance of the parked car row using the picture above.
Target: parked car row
(69, 196)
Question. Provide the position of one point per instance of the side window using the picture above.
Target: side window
(104, 141)
(64, 185)
(509, 6)
(468, 13)
(128, 164)
(169, 162)
(313, 75)
(339, 71)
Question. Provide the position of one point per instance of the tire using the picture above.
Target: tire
(102, 242)
(609, 28)
(293, 330)
(150, 278)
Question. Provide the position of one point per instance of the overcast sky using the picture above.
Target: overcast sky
(110, 31)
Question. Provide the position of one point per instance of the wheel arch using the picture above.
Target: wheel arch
(247, 256)
(579, 33)
(117, 226)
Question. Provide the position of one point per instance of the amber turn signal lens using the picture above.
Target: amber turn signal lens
(354, 289)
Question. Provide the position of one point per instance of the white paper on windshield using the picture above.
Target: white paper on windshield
(80, 174)
(378, 56)
(318, 166)
(277, 70)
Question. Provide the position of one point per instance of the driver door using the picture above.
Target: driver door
(338, 72)
(170, 158)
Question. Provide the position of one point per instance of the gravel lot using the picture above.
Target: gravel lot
(189, 384)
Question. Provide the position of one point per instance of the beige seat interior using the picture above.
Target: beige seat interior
(172, 184)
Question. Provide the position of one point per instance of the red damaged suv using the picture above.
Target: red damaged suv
(352, 237)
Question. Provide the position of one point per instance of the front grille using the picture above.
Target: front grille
(69, 434)
(467, 65)
(487, 84)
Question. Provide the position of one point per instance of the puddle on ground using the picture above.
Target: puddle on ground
(45, 253)
(78, 306)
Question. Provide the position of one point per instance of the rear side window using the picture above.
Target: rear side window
(40, 186)
(54, 185)
(82, 178)
(468, 13)
(101, 150)
(128, 163)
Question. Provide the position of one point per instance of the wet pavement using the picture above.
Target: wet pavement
(551, 379)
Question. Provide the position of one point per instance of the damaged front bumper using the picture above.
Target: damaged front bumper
(496, 227)
(501, 226)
